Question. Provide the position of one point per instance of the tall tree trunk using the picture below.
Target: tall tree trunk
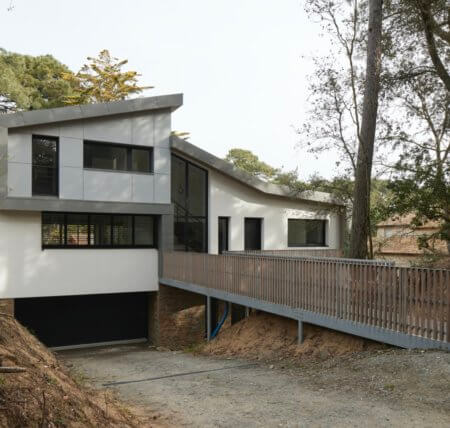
(427, 21)
(361, 195)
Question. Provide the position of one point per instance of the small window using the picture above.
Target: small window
(306, 233)
(45, 166)
(116, 157)
(144, 230)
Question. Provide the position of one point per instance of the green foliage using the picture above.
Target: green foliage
(102, 80)
(31, 83)
(248, 161)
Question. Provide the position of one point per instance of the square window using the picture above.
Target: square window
(306, 233)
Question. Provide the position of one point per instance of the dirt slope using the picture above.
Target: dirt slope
(46, 395)
(270, 337)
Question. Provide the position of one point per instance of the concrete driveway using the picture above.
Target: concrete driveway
(211, 392)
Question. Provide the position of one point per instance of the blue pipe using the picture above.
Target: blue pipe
(222, 321)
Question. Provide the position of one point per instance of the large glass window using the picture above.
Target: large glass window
(116, 157)
(306, 233)
(72, 230)
(45, 166)
(189, 196)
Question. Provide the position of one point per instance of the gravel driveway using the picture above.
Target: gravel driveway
(204, 391)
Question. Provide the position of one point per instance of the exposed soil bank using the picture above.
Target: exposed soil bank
(269, 337)
(46, 395)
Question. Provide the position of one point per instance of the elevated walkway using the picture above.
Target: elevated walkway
(405, 307)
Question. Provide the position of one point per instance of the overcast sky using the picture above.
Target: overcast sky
(242, 65)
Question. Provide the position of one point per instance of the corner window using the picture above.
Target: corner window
(73, 230)
(306, 233)
(45, 166)
(189, 192)
(117, 157)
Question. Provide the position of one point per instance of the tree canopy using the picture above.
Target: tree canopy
(31, 83)
(34, 82)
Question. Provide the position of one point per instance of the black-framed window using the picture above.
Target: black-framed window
(117, 157)
(45, 166)
(190, 197)
(81, 230)
(306, 233)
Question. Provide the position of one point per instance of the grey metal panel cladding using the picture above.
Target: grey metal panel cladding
(54, 204)
(40, 117)
(351, 327)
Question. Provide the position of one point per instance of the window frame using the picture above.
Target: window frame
(324, 233)
(56, 140)
(129, 157)
(96, 246)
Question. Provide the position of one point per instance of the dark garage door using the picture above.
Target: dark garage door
(74, 320)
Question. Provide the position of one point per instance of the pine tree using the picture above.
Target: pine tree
(102, 80)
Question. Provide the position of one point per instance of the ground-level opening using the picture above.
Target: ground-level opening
(86, 319)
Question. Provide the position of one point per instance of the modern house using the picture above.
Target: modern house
(89, 196)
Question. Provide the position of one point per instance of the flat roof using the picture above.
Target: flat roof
(227, 168)
(86, 111)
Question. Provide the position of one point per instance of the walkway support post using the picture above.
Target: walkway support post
(208, 318)
(300, 332)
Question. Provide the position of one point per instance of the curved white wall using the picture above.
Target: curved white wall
(229, 198)
(28, 271)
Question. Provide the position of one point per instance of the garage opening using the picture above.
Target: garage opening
(87, 319)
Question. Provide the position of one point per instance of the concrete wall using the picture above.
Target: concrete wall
(76, 183)
(28, 271)
(228, 198)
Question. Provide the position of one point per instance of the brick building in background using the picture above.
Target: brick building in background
(398, 241)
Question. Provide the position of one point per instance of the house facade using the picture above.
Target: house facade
(91, 195)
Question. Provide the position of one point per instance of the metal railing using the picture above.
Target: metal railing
(294, 252)
(412, 301)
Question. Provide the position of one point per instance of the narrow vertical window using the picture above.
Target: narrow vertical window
(45, 166)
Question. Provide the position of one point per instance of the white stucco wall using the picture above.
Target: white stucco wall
(28, 271)
(229, 198)
(76, 183)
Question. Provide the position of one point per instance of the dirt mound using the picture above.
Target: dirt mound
(269, 337)
(183, 328)
(45, 394)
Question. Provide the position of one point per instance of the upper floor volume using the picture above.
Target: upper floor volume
(116, 152)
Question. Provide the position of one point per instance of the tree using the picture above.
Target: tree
(434, 16)
(338, 117)
(366, 137)
(31, 83)
(248, 161)
(102, 80)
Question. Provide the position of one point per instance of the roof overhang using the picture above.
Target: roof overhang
(88, 111)
(185, 148)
